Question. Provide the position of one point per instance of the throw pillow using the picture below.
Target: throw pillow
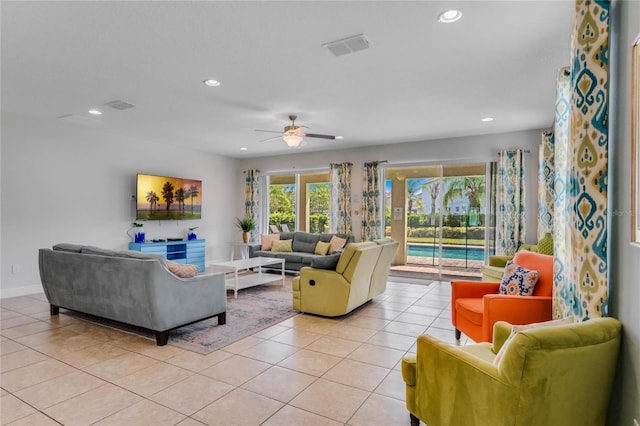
(282, 245)
(266, 241)
(322, 248)
(336, 243)
(182, 270)
(518, 328)
(517, 281)
(545, 245)
(325, 262)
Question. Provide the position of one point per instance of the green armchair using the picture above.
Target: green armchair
(495, 269)
(559, 375)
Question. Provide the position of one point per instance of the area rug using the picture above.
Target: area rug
(256, 308)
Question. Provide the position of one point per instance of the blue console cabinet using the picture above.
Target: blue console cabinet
(191, 251)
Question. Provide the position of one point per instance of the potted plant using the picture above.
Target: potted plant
(138, 232)
(191, 233)
(246, 225)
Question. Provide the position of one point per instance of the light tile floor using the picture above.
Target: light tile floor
(307, 370)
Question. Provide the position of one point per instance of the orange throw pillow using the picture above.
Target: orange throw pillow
(182, 270)
(266, 240)
(336, 243)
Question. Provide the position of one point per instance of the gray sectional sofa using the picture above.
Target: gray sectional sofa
(129, 287)
(303, 245)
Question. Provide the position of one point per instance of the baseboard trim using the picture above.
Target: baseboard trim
(6, 293)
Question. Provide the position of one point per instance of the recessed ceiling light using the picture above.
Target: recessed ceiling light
(212, 83)
(449, 16)
(487, 119)
(94, 111)
(339, 137)
(244, 148)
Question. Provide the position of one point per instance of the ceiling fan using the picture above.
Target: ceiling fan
(294, 135)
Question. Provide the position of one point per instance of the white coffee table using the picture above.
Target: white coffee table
(237, 282)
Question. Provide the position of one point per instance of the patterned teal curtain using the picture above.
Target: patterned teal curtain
(252, 201)
(545, 184)
(588, 160)
(492, 209)
(340, 208)
(371, 218)
(511, 193)
(562, 290)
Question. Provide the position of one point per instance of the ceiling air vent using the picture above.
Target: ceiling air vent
(347, 45)
(120, 105)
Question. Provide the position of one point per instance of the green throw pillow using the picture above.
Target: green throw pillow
(322, 248)
(282, 246)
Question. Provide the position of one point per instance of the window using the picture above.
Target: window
(299, 202)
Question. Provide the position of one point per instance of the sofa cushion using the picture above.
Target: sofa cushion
(282, 246)
(322, 248)
(266, 241)
(71, 248)
(182, 270)
(517, 280)
(305, 242)
(325, 262)
(471, 309)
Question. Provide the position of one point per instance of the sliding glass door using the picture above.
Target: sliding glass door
(438, 213)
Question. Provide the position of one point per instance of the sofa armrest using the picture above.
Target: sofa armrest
(253, 248)
(472, 289)
(501, 332)
(322, 291)
(455, 386)
(500, 261)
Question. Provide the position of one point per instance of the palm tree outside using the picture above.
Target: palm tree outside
(470, 187)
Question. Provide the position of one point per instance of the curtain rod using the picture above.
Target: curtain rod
(245, 171)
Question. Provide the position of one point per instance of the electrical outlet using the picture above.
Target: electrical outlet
(15, 269)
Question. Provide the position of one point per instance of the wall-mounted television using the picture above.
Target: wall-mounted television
(167, 198)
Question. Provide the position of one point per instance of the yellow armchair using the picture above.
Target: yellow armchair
(360, 275)
(559, 375)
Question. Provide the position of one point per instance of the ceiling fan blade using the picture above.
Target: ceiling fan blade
(268, 131)
(315, 135)
(270, 139)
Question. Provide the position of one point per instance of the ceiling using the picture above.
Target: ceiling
(419, 80)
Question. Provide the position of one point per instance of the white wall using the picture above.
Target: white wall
(624, 262)
(470, 149)
(70, 183)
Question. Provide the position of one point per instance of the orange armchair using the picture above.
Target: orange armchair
(476, 306)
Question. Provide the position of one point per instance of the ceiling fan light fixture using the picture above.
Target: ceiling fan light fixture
(292, 140)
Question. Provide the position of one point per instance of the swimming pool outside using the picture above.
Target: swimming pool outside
(448, 251)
